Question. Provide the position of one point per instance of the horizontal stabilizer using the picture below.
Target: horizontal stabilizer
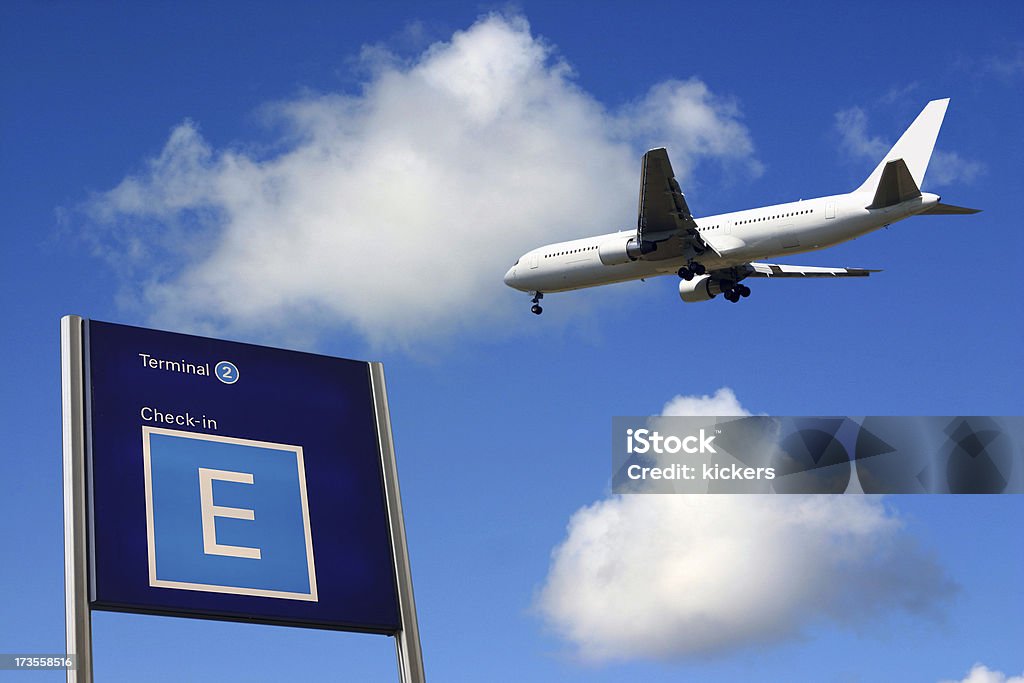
(942, 209)
(785, 270)
(895, 186)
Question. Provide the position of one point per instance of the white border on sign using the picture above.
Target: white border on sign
(212, 588)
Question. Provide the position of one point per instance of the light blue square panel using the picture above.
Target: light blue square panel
(227, 515)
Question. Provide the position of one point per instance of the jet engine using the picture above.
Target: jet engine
(701, 288)
(618, 251)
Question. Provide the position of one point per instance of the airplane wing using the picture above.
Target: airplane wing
(782, 270)
(665, 226)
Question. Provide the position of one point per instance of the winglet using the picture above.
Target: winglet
(914, 146)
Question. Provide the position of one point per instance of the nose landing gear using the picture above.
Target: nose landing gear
(536, 308)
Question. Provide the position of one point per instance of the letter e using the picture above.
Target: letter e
(211, 511)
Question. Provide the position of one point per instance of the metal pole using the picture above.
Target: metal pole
(407, 641)
(77, 619)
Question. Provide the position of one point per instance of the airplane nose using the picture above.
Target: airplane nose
(510, 276)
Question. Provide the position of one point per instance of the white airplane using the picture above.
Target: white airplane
(713, 255)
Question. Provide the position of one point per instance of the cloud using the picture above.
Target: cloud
(980, 673)
(1005, 68)
(852, 125)
(899, 93)
(677, 576)
(946, 167)
(1008, 67)
(693, 123)
(723, 402)
(395, 212)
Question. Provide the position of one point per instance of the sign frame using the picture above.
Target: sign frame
(78, 555)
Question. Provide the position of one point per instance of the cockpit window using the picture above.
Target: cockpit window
(516, 263)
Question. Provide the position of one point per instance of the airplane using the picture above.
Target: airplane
(713, 255)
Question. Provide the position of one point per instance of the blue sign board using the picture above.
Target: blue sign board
(234, 481)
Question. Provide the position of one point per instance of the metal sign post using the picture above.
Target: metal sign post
(77, 618)
(214, 479)
(407, 641)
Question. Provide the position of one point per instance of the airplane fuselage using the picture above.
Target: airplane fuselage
(739, 238)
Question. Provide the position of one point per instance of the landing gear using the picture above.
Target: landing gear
(536, 308)
(736, 292)
(690, 270)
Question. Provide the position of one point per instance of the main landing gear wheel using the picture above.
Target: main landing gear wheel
(688, 272)
(734, 294)
(536, 308)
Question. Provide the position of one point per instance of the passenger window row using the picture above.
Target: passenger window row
(570, 251)
(768, 218)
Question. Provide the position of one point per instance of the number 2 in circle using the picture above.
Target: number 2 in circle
(226, 372)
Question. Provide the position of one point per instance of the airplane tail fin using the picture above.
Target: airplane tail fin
(914, 147)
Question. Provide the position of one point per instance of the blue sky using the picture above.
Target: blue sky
(224, 170)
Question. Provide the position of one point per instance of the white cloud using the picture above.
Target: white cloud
(900, 93)
(395, 212)
(852, 125)
(693, 123)
(1007, 66)
(946, 167)
(676, 576)
(980, 673)
(722, 403)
